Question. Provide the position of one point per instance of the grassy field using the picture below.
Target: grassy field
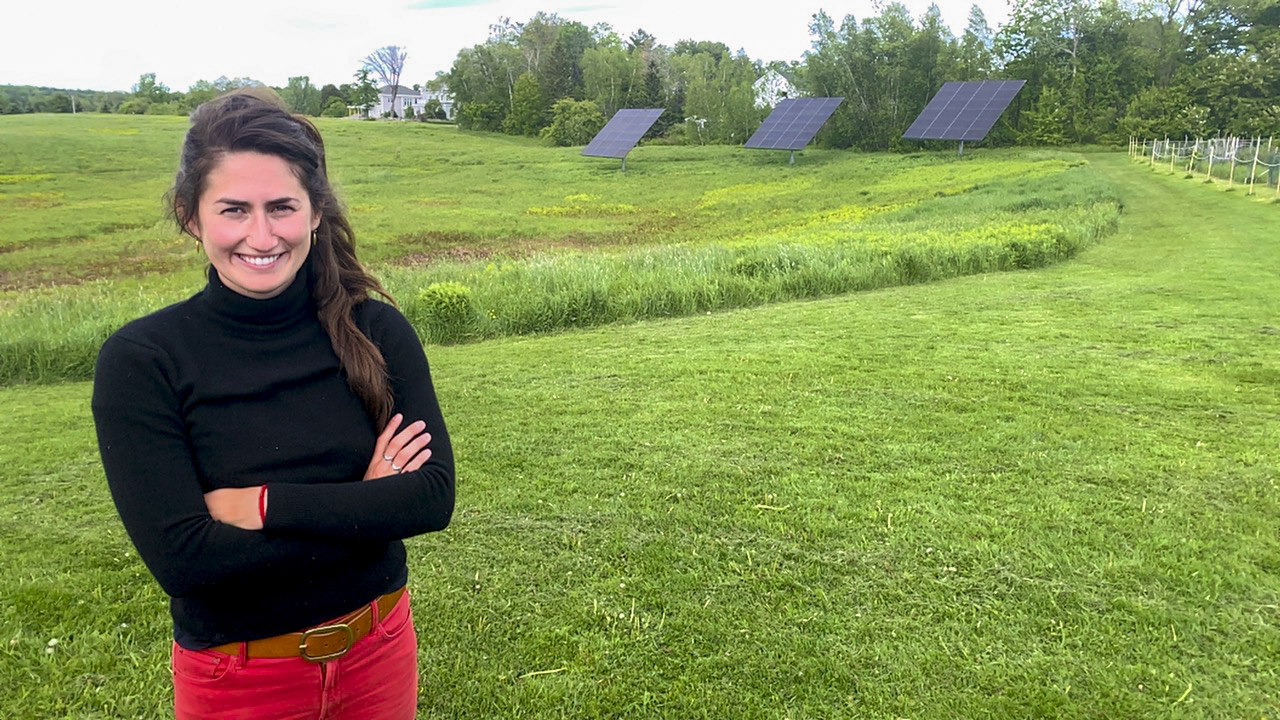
(80, 195)
(482, 236)
(1044, 493)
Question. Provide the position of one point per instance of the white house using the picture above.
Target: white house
(772, 87)
(408, 97)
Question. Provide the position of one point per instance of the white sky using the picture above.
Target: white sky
(107, 44)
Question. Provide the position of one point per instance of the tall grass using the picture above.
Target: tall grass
(578, 290)
(482, 237)
(54, 335)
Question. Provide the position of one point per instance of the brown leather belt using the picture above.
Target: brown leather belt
(321, 643)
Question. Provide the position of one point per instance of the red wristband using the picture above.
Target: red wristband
(262, 505)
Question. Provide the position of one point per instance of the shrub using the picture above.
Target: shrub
(482, 116)
(336, 108)
(166, 108)
(136, 106)
(446, 311)
(573, 122)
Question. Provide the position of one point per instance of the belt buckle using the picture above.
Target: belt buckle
(324, 630)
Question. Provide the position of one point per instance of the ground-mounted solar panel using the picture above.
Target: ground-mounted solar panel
(622, 132)
(964, 110)
(793, 123)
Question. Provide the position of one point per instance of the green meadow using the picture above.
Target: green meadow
(1027, 469)
(482, 236)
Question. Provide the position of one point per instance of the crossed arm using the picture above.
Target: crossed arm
(396, 451)
(191, 541)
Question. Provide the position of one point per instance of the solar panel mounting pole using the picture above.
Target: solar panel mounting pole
(793, 157)
(961, 150)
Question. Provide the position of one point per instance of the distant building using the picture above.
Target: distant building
(408, 97)
(773, 87)
(404, 97)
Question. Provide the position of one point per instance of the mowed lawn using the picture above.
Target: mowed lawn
(1049, 493)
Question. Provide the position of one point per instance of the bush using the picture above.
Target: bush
(166, 108)
(445, 311)
(433, 110)
(574, 122)
(482, 116)
(336, 108)
(135, 106)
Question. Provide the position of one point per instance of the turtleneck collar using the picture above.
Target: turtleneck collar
(279, 311)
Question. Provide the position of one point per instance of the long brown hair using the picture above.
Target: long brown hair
(255, 120)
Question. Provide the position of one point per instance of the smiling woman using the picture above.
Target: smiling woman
(255, 223)
(271, 441)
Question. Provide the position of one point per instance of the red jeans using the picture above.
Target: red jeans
(376, 680)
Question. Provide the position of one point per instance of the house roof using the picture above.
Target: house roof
(774, 73)
(400, 90)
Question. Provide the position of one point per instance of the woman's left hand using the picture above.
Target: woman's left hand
(235, 506)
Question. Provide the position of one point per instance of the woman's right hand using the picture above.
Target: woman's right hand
(399, 452)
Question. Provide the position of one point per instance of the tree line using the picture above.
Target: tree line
(1096, 71)
(151, 97)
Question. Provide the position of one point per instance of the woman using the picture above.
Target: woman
(270, 441)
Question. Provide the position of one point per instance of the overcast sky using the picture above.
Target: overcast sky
(107, 44)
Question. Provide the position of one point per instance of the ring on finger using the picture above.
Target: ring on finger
(386, 458)
(396, 467)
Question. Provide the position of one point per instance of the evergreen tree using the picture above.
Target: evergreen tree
(528, 113)
(364, 95)
(1046, 123)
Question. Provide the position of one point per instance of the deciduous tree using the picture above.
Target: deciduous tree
(301, 96)
(574, 122)
(388, 63)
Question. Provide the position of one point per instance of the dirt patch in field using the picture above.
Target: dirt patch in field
(431, 247)
(453, 255)
(135, 266)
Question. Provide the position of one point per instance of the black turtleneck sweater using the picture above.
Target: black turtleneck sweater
(225, 391)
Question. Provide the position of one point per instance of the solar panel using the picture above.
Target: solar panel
(793, 123)
(622, 132)
(964, 110)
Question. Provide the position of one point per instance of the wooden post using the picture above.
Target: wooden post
(1172, 154)
(1153, 154)
(1231, 176)
(1253, 172)
(1208, 174)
